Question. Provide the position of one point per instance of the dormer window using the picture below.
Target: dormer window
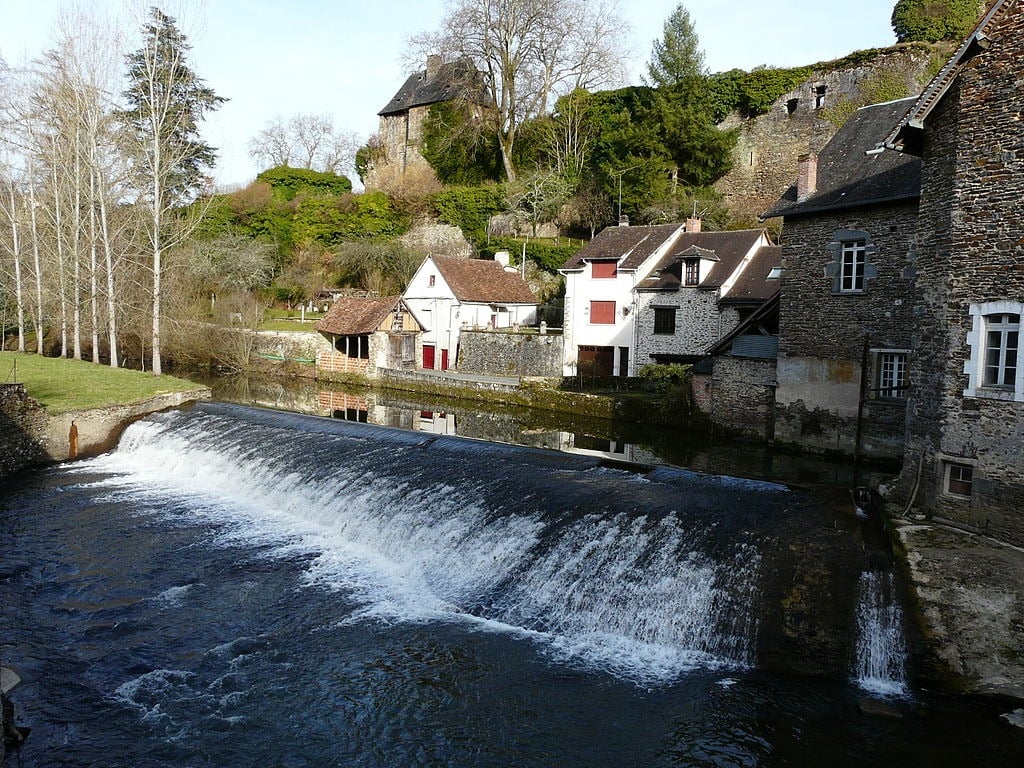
(691, 272)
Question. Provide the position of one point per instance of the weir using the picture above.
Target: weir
(642, 574)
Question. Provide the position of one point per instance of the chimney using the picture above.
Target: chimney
(502, 257)
(693, 224)
(623, 221)
(433, 66)
(807, 176)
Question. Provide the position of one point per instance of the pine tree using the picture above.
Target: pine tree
(677, 57)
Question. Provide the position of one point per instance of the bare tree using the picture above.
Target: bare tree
(305, 141)
(166, 103)
(530, 52)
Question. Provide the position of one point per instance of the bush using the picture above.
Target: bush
(287, 183)
(934, 20)
(664, 378)
(468, 208)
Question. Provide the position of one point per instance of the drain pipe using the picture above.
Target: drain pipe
(860, 401)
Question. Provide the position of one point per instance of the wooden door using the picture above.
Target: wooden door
(428, 356)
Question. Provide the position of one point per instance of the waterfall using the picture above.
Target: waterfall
(600, 567)
(880, 665)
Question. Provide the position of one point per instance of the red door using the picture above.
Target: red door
(428, 356)
(444, 359)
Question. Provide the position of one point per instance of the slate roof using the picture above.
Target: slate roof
(634, 245)
(483, 282)
(753, 284)
(849, 177)
(354, 317)
(766, 346)
(906, 136)
(725, 249)
(454, 80)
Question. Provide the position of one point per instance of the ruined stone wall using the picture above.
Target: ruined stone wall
(743, 401)
(22, 424)
(970, 252)
(495, 353)
(765, 157)
(823, 333)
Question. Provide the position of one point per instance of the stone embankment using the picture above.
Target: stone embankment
(30, 436)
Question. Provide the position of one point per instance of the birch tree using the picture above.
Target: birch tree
(166, 101)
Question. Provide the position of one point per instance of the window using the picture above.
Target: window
(603, 269)
(852, 271)
(665, 320)
(994, 340)
(791, 105)
(691, 274)
(959, 479)
(891, 374)
(602, 313)
(819, 96)
(1002, 332)
(431, 280)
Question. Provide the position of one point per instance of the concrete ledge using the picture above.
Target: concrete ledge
(100, 428)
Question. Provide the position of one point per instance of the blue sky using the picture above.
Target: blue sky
(343, 57)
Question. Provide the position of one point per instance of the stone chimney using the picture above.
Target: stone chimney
(807, 176)
(623, 221)
(433, 66)
(693, 224)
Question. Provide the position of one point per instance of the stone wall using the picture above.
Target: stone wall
(496, 353)
(823, 333)
(22, 422)
(970, 253)
(743, 399)
(765, 157)
(699, 323)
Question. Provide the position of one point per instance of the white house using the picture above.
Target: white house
(599, 323)
(447, 295)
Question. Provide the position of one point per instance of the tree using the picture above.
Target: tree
(934, 20)
(529, 52)
(166, 102)
(305, 141)
(677, 57)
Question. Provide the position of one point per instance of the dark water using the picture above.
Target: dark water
(240, 588)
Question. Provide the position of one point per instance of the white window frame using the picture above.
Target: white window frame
(956, 466)
(988, 317)
(883, 382)
(853, 261)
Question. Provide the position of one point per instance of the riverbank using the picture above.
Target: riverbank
(53, 409)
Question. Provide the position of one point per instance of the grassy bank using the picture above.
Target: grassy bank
(70, 385)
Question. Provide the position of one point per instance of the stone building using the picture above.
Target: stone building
(397, 160)
(703, 287)
(964, 457)
(845, 308)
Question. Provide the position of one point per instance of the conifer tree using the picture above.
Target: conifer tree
(677, 57)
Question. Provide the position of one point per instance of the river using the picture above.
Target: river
(234, 586)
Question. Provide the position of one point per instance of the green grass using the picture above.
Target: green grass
(286, 325)
(70, 385)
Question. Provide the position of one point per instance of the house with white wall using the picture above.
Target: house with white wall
(447, 295)
(599, 322)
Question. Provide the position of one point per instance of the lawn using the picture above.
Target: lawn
(71, 385)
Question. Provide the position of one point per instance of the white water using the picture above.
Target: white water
(625, 593)
(881, 647)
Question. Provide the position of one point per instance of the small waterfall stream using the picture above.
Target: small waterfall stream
(881, 651)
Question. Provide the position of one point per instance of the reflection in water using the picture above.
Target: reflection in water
(616, 441)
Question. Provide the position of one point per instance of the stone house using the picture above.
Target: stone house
(366, 335)
(599, 321)
(702, 288)
(398, 158)
(447, 295)
(845, 310)
(964, 458)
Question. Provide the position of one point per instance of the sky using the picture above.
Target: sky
(343, 58)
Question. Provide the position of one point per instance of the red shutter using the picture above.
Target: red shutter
(602, 313)
(603, 269)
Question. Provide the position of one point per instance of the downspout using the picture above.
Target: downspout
(861, 399)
